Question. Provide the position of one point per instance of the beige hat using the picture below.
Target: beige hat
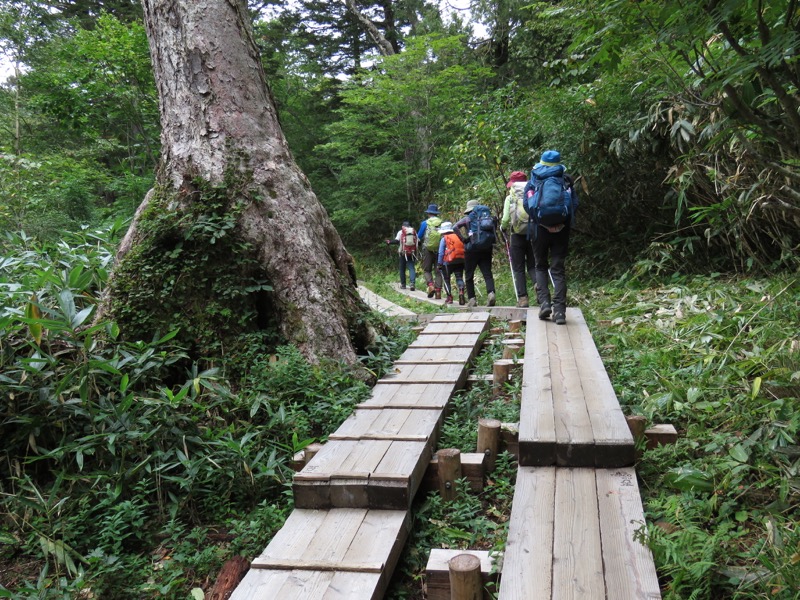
(470, 205)
(446, 227)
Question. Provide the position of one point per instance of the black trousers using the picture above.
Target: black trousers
(481, 259)
(522, 262)
(550, 251)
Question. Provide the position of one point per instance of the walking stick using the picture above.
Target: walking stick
(510, 263)
(445, 279)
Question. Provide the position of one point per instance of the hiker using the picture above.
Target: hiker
(407, 241)
(519, 247)
(429, 236)
(478, 244)
(451, 260)
(551, 202)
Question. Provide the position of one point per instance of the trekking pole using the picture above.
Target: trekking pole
(510, 263)
(445, 279)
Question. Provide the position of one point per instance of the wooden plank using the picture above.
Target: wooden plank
(614, 444)
(438, 354)
(427, 373)
(629, 568)
(462, 317)
(577, 555)
(527, 564)
(537, 437)
(574, 436)
(391, 424)
(455, 327)
(410, 395)
(263, 584)
(397, 478)
(451, 340)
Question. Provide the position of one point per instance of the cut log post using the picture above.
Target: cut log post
(500, 372)
(489, 440)
(512, 347)
(637, 424)
(473, 469)
(449, 471)
(509, 437)
(231, 574)
(515, 325)
(658, 435)
(311, 451)
(465, 578)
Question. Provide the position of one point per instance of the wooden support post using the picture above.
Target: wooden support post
(512, 347)
(509, 436)
(658, 435)
(515, 325)
(465, 578)
(489, 440)
(449, 460)
(310, 451)
(637, 425)
(500, 372)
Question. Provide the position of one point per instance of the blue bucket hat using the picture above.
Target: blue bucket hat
(550, 158)
(432, 209)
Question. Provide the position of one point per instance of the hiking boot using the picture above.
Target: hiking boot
(431, 291)
(545, 311)
(522, 302)
(472, 302)
(412, 288)
(560, 318)
(461, 299)
(402, 287)
(438, 293)
(490, 300)
(449, 299)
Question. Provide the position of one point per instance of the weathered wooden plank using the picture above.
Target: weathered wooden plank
(614, 444)
(439, 354)
(391, 424)
(451, 340)
(454, 374)
(577, 555)
(527, 564)
(462, 317)
(410, 395)
(476, 327)
(574, 436)
(364, 473)
(629, 568)
(537, 433)
(264, 584)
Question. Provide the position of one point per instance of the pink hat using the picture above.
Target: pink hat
(515, 177)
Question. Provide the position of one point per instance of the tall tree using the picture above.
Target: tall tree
(232, 238)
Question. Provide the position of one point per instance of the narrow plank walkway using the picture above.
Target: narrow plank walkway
(352, 499)
(572, 535)
(576, 507)
(570, 415)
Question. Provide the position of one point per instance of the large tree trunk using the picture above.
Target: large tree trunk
(220, 130)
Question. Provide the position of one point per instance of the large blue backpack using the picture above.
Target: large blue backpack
(482, 234)
(549, 200)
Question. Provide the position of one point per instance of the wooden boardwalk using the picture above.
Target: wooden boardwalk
(576, 507)
(352, 499)
(570, 415)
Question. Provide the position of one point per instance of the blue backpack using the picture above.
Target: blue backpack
(481, 228)
(549, 200)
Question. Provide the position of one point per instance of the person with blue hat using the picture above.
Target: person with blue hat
(429, 237)
(551, 201)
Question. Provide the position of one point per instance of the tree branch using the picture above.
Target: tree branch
(384, 47)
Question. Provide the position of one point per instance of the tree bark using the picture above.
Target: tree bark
(218, 118)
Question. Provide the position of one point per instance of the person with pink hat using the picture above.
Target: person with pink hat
(520, 248)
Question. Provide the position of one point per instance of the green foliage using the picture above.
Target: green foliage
(719, 360)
